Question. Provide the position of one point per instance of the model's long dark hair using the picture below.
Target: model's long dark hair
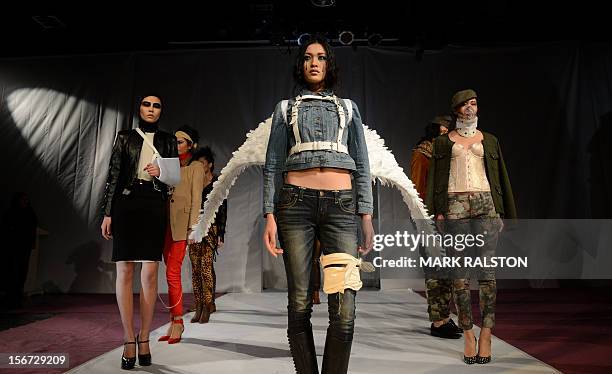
(331, 73)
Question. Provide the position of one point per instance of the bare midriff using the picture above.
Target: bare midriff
(320, 178)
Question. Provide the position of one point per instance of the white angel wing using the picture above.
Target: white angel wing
(383, 167)
(251, 152)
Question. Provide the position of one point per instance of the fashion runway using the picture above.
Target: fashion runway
(248, 335)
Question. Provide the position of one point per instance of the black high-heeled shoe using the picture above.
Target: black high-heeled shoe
(145, 359)
(127, 363)
(473, 359)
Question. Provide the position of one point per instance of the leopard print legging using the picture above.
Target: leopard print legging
(202, 257)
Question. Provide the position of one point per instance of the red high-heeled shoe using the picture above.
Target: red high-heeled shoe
(176, 340)
(165, 338)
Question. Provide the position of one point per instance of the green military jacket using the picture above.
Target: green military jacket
(439, 170)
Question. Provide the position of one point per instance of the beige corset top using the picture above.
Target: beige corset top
(467, 169)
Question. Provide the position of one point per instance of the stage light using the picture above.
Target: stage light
(346, 38)
(323, 3)
(304, 38)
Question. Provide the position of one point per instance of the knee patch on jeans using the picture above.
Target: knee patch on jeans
(340, 271)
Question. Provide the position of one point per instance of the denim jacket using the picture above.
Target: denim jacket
(317, 121)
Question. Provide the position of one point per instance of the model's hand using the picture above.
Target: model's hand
(270, 236)
(106, 228)
(219, 243)
(440, 223)
(368, 234)
(190, 241)
(153, 170)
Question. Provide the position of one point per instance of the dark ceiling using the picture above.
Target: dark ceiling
(412, 24)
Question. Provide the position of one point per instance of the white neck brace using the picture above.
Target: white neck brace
(467, 128)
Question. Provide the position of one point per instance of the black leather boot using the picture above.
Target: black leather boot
(336, 356)
(339, 339)
(303, 351)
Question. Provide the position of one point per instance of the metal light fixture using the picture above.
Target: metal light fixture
(346, 38)
(323, 3)
(303, 39)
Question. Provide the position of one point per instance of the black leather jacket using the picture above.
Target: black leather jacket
(124, 161)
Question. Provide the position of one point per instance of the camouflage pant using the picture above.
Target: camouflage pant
(439, 293)
(474, 213)
(487, 294)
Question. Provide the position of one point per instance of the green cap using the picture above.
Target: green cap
(461, 97)
(442, 120)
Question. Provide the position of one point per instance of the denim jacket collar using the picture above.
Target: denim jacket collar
(325, 92)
